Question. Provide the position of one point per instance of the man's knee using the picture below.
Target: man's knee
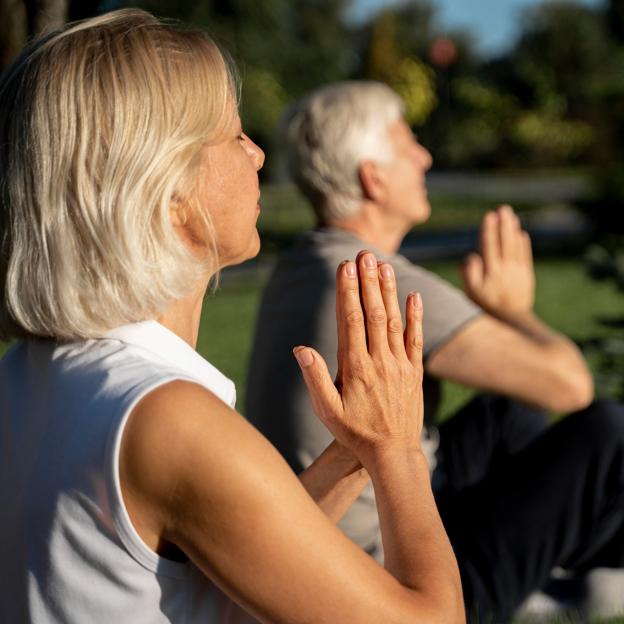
(602, 423)
(519, 424)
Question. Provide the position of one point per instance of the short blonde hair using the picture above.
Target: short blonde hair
(101, 127)
(330, 133)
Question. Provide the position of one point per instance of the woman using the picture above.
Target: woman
(131, 490)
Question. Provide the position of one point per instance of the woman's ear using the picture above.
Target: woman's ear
(372, 180)
(178, 211)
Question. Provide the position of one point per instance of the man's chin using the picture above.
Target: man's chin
(422, 214)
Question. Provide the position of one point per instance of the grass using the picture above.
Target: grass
(566, 299)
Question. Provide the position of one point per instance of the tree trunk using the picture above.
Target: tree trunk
(13, 30)
(45, 15)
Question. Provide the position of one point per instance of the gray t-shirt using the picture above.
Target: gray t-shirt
(298, 308)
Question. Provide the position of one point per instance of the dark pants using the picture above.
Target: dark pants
(521, 497)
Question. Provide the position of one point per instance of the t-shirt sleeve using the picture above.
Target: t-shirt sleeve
(446, 308)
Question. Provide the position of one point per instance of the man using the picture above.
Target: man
(518, 498)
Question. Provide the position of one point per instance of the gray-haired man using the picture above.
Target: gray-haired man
(518, 498)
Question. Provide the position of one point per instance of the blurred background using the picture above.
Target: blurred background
(519, 101)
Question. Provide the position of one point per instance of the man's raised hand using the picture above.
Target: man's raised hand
(501, 278)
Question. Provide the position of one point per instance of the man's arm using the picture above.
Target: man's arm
(510, 350)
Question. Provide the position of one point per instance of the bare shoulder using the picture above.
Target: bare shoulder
(180, 446)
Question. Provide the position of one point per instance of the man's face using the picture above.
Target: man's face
(406, 195)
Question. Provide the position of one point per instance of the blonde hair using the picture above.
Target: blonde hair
(330, 133)
(101, 127)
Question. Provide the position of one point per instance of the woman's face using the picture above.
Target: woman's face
(229, 190)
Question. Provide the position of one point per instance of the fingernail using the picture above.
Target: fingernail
(304, 356)
(386, 271)
(415, 299)
(350, 269)
(370, 261)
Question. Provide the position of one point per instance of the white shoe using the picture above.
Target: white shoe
(604, 594)
(592, 597)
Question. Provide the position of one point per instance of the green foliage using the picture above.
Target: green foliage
(481, 116)
(384, 53)
(415, 83)
(263, 98)
(284, 48)
(562, 47)
(389, 62)
(548, 138)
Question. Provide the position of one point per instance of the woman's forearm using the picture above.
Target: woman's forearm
(417, 550)
(334, 480)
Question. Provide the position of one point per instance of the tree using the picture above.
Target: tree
(20, 20)
(615, 19)
(283, 48)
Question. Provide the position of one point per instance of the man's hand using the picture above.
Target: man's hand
(378, 402)
(500, 278)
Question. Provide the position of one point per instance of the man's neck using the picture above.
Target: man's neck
(373, 228)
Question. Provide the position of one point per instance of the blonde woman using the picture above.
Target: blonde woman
(130, 489)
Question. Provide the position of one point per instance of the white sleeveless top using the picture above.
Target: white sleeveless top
(68, 551)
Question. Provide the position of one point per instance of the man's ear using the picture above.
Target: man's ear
(373, 180)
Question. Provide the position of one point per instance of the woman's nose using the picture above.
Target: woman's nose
(257, 155)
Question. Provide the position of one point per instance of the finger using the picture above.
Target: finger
(325, 399)
(413, 329)
(350, 316)
(508, 232)
(340, 350)
(489, 242)
(527, 248)
(373, 304)
(472, 272)
(387, 281)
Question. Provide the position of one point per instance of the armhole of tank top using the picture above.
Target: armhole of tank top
(126, 532)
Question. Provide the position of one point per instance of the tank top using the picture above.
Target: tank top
(68, 550)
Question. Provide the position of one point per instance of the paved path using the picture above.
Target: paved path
(495, 187)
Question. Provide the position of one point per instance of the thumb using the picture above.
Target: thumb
(326, 401)
(472, 270)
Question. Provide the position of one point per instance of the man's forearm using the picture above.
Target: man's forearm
(334, 480)
(564, 354)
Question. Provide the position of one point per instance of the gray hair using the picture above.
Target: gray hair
(101, 127)
(330, 133)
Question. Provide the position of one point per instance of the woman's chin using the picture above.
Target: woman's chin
(252, 251)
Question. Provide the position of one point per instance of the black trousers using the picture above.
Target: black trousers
(520, 497)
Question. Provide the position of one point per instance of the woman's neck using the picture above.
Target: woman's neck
(183, 316)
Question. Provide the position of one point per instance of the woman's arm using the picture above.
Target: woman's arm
(196, 474)
(334, 480)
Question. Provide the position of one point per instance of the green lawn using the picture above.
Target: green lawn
(567, 299)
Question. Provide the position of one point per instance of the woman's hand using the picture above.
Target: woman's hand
(376, 401)
(501, 278)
